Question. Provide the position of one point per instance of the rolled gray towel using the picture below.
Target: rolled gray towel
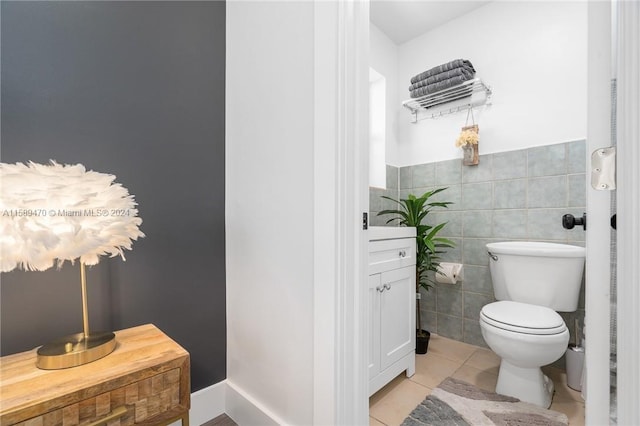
(441, 85)
(467, 72)
(457, 63)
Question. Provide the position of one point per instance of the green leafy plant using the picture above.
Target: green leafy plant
(412, 212)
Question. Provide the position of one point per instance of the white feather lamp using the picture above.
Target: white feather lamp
(50, 213)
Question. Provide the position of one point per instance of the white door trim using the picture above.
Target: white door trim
(598, 237)
(628, 220)
(341, 31)
(326, 216)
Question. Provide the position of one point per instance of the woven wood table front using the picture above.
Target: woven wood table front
(145, 380)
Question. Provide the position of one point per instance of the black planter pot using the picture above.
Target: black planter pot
(422, 342)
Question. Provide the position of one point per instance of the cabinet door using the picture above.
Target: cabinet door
(374, 325)
(397, 315)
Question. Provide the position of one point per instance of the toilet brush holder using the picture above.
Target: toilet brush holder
(575, 363)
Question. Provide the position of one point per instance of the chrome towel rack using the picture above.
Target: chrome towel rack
(434, 105)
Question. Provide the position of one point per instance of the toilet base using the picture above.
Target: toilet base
(526, 384)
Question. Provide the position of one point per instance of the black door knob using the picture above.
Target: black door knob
(569, 221)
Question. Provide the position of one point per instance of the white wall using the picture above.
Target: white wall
(383, 57)
(532, 54)
(269, 199)
(377, 129)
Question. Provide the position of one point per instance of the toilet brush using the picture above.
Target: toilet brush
(575, 361)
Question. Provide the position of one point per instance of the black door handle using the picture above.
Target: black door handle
(613, 221)
(569, 221)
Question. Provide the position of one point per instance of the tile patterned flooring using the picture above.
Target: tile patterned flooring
(479, 366)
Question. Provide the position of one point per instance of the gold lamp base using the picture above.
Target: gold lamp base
(74, 350)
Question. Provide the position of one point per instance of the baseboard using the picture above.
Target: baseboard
(206, 404)
(224, 397)
(246, 411)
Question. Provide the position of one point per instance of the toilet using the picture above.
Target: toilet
(532, 282)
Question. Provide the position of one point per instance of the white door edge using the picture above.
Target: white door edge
(628, 223)
(597, 291)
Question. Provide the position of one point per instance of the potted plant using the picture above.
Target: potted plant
(413, 212)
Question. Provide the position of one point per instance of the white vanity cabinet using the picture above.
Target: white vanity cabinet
(392, 304)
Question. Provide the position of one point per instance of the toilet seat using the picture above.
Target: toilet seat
(522, 318)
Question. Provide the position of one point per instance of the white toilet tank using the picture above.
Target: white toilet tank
(544, 274)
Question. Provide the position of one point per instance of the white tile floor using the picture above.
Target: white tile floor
(391, 404)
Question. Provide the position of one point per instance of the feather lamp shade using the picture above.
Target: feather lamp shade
(51, 213)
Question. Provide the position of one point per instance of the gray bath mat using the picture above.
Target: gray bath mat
(457, 403)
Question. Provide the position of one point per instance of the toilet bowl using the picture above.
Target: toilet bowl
(525, 337)
(532, 282)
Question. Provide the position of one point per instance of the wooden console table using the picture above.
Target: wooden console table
(144, 381)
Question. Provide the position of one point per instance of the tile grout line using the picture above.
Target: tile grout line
(418, 383)
(378, 420)
(464, 363)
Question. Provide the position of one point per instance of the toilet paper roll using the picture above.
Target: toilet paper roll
(449, 273)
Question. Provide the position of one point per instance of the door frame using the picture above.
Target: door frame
(628, 223)
(341, 326)
(625, 32)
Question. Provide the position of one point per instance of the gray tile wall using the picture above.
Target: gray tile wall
(515, 195)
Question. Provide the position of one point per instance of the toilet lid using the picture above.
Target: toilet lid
(523, 318)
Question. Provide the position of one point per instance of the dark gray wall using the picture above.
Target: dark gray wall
(135, 89)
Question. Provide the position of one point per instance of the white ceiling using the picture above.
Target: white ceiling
(403, 20)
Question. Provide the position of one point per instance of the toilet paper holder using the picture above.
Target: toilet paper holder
(449, 273)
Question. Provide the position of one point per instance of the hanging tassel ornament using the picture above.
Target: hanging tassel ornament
(468, 141)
